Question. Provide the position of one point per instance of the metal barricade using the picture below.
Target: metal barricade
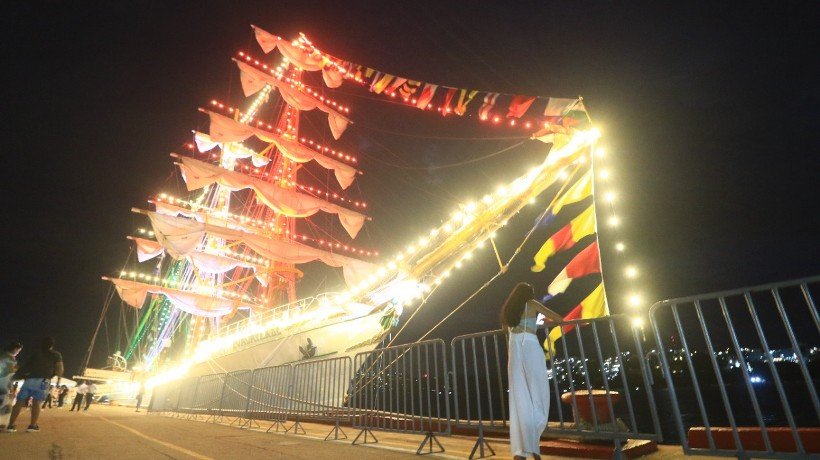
(402, 388)
(600, 387)
(187, 396)
(164, 398)
(741, 369)
(235, 393)
(479, 384)
(208, 396)
(319, 391)
(269, 395)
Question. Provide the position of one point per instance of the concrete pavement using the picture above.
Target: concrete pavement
(119, 433)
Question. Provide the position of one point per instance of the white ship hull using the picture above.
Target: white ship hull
(332, 340)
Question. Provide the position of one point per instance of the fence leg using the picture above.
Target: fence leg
(365, 431)
(431, 437)
(480, 443)
(278, 424)
(335, 432)
(618, 453)
(248, 424)
(297, 425)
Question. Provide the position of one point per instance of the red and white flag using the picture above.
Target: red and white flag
(585, 263)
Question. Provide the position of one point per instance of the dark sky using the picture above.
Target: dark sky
(708, 111)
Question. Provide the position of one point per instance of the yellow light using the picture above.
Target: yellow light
(468, 256)
(634, 300)
(458, 264)
(614, 221)
(493, 235)
(637, 321)
(480, 245)
(448, 228)
(609, 196)
(532, 200)
(501, 190)
(595, 133)
(631, 272)
(620, 247)
(487, 199)
(603, 174)
(600, 152)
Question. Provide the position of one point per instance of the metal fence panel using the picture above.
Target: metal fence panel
(270, 394)
(208, 394)
(187, 395)
(235, 394)
(741, 368)
(402, 388)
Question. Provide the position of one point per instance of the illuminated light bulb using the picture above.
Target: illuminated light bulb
(391, 265)
(480, 245)
(532, 200)
(448, 227)
(501, 190)
(438, 281)
(600, 152)
(458, 264)
(603, 174)
(468, 256)
(582, 159)
(123, 273)
(399, 257)
(631, 272)
(609, 196)
(563, 174)
(493, 235)
(614, 221)
(637, 322)
(503, 223)
(634, 300)
(446, 274)
(487, 199)
(410, 249)
(595, 133)
(458, 215)
(471, 206)
(423, 241)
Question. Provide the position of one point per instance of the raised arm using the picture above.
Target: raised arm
(550, 315)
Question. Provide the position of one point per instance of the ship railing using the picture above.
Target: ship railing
(594, 395)
(403, 388)
(735, 365)
(296, 307)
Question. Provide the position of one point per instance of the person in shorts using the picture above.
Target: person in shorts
(37, 371)
(8, 364)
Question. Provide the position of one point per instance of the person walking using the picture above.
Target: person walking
(8, 364)
(527, 370)
(89, 397)
(37, 371)
(140, 394)
(61, 395)
(79, 396)
(49, 398)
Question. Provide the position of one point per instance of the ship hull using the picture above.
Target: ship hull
(337, 339)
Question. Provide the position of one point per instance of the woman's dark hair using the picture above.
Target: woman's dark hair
(12, 346)
(514, 305)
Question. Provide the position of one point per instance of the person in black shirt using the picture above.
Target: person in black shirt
(37, 372)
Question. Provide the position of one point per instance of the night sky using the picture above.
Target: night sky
(708, 112)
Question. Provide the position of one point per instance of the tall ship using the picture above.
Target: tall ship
(215, 286)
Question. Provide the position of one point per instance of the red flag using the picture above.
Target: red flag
(448, 98)
(519, 106)
(426, 96)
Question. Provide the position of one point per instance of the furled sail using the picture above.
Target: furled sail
(253, 80)
(303, 59)
(205, 262)
(134, 293)
(204, 143)
(146, 249)
(181, 236)
(226, 129)
(198, 174)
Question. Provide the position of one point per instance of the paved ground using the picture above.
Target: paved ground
(121, 434)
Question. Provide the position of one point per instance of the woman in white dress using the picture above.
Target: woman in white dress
(526, 370)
